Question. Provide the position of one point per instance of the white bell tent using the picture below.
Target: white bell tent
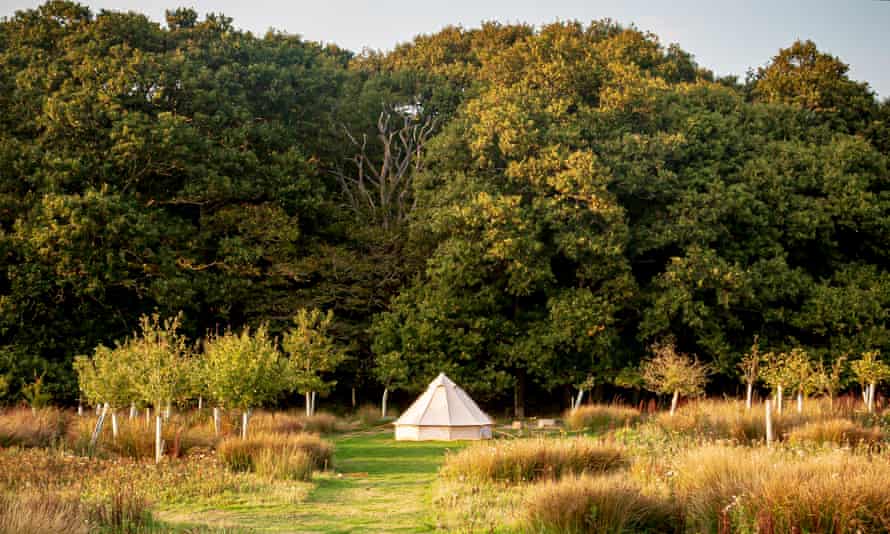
(443, 412)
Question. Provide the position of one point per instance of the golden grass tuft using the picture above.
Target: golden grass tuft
(731, 489)
(23, 427)
(287, 463)
(600, 417)
(368, 414)
(610, 504)
(42, 513)
(527, 460)
(241, 455)
(712, 419)
(50, 511)
(837, 430)
(181, 433)
(291, 423)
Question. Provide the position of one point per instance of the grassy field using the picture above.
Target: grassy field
(379, 485)
(707, 469)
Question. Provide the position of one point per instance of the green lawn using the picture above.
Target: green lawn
(379, 485)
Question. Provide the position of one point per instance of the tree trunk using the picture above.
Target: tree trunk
(800, 401)
(383, 403)
(168, 411)
(79, 410)
(133, 412)
(750, 396)
(779, 400)
(200, 403)
(674, 402)
(314, 399)
(353, 398)
(308, 404)
(769, 423)
(216, 421)
(159, 443)
(519, 395)
(147, 415)
(114, 425)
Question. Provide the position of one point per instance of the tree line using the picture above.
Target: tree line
(519, 207)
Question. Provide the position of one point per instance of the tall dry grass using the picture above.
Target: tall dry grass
(838, 431)
(368, 414)
(261, 451)
(715, 419)
(42, 513)
(601, 417)
(182, 433)
(611, 504)
(288, 463)
(735, 489)
(525, 460)
(291, 423)
(22, 427)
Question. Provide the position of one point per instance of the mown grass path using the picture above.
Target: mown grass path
(378, 485)
(382, 486)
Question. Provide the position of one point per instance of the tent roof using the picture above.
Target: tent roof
(444, 403)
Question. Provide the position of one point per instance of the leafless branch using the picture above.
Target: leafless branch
(380, 189)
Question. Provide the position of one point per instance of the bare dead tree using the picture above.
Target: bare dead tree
(381, 189)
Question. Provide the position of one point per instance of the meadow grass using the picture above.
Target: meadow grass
(611, 504)
(735, 489)
(730, 420)
(601, 417)
(291, 423)
(42, 513)
(368, 415)
(704, 470)
(524, 460)
(836, 430)
(24, 427)
(262, 450)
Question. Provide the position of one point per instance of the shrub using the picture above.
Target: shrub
(729, 489)
(243, 454)
(368, 415)
(673, 373)
(531, 459)
(321, 423)
(599, 417)
(23, 427)
(837, 430)
(604, 504)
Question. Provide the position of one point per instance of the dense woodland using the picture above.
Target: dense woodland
(526, 209)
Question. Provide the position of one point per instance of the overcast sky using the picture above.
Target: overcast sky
(726, 37)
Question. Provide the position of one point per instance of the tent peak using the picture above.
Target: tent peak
(441, 380)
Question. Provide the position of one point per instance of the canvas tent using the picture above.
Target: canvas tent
(443, 412)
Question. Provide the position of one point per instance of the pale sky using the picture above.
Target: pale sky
(726, 37)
